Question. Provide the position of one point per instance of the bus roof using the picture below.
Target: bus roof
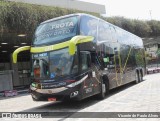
(65, 16)
(80, 14)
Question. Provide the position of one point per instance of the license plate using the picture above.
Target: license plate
(51, 99)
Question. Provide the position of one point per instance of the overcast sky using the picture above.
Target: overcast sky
(137, 9)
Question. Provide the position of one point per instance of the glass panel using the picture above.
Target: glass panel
(40, 65)
(61, 63)
(56, 30)
(84, 61)
(104, 31)
(88, 26)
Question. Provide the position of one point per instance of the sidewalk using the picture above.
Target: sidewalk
(13, 93)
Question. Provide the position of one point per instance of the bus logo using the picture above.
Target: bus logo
(6, 115)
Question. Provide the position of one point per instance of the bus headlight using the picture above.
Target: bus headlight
(73, 94)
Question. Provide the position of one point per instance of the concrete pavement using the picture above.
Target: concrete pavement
(142, 97)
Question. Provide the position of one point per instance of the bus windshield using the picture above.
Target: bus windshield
(54, 64)
(62, 63)
(56, 31)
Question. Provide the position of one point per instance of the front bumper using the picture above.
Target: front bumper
(60, 94)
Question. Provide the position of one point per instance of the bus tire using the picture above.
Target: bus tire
(104, 88)
(34, 99)
(141, 76)
(137, 77)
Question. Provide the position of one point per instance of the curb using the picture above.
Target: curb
(2, 94)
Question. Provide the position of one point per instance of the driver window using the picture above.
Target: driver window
(85, 60)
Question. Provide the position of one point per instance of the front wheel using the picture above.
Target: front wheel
(104, 90)
(34, 99)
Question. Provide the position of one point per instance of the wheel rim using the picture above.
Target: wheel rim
(141, 77)
(137, 78)
(103, 88)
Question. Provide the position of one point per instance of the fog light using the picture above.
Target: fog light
(73, 94)
(34, 96)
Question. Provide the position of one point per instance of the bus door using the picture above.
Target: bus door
(91, 83)
(110, 67)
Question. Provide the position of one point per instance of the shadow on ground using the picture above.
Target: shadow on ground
(67, 109)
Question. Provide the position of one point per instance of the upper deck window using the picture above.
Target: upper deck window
(56, 31)
(88, 26)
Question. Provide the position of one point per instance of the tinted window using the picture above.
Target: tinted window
(104, 31)
(61, 63)
(88, 26)
(56, 30)
(84, 62)
(40, 65)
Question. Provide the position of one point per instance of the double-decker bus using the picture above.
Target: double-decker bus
(79, 55)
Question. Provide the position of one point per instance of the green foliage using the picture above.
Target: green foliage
(155, 27)
(138, 27)
(141, 28)
(20, 17)
(140, 58)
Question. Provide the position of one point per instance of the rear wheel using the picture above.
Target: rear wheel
(141, 76)
(137, 77)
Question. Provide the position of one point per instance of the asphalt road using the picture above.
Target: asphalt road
(142, 97)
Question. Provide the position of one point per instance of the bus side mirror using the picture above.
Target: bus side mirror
(15, 53)
(78, 39)
(72, 48)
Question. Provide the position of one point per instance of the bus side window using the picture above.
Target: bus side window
(85, 60)
(75, 64)
(89, 26)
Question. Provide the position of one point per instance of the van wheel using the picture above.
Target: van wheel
(137, 78)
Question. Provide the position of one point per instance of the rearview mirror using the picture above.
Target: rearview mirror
(78, 39)
(15, 53)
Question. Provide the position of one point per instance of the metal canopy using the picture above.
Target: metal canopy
(71, 4)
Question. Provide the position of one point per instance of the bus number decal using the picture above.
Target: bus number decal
(48, 48)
